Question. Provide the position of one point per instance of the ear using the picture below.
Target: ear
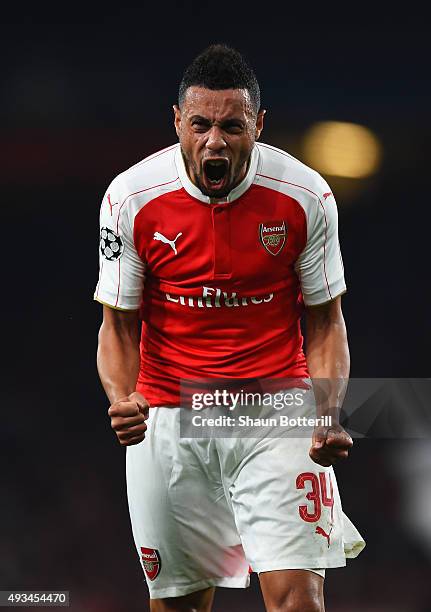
(259, 122)
(177, 119)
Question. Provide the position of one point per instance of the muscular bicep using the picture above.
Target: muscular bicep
(322, 317)
(120, 319)
(122, 323)
(324, 314)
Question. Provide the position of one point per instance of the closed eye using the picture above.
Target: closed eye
(200, 125)
(233, 127)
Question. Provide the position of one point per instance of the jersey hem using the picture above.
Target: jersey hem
(320, 300)
(298, 377)
(303, 563)
(234, 582)
(96, 299)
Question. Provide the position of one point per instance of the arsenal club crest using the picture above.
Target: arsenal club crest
(151, 562)
(272, 235)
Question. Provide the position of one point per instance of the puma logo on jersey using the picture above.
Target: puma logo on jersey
(323, 533)
(159, 236)
(326, 195)
(111, 206)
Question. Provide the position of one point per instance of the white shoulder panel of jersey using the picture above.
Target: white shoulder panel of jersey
(146, 180)
(283, 172)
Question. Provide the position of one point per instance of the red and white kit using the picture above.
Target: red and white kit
(221, 285)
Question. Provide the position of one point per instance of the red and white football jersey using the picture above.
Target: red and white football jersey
(221, 284)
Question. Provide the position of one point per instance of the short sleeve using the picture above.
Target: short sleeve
(121, 270)
(320, 265)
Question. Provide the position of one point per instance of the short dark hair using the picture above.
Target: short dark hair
(220, 67)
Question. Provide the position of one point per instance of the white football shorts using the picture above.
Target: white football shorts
(207, 511)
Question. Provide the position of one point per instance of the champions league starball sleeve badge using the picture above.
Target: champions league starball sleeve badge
(111, 245)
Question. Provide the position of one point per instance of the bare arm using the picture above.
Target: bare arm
(329, 366)
(328, 355)
(118, 352)
(118, 362)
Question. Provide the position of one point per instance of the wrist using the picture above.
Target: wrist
(332, 412)
(118, 394)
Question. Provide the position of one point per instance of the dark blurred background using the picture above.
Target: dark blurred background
(84, 100)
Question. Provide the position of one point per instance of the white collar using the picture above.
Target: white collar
(233, 195)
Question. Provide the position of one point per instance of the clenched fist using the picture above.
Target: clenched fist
(329, 444)
(128, 416)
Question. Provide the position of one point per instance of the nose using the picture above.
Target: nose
(215, 140)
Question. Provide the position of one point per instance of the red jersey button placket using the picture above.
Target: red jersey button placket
(222, 241)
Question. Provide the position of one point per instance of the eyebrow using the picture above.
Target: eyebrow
(225, 123)
(199, 118)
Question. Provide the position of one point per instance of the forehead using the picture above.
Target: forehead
(217, 104)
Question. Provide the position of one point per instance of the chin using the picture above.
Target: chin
(217, 194)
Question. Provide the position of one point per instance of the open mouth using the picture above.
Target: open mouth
(216, 171)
